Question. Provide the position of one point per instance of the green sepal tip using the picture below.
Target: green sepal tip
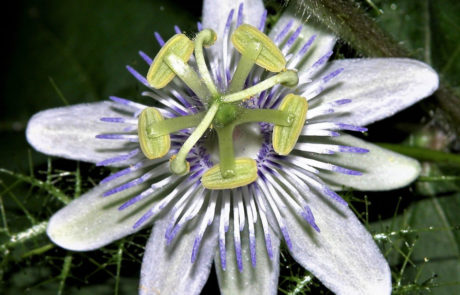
(245, 173)
(152, 147)
(160, 73)
(285, 137)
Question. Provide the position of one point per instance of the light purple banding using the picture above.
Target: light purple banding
(177, 29)
(352, 149)
(138, 76)
(332, 75)
(145, 57)
(172, 234)
(349, 127)
(160, 40)
(223, 257)
(307, 45)
(284, 31)
(119, 158)
(182, 99)
(124, 102)
(112, 120)
(310, 218)
(240, 15)
(196, 246)
(262, 21)
(328, 192)
(199, 26)
(294, 36)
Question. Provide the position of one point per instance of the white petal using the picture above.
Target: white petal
(261, 279)
(378, 87)
(324, 41)
(168, 269)
(215, 14)
(70, 132)
(382, 169)
(92, 221)
(343, 256)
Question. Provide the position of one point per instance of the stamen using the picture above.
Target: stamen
(288, 78)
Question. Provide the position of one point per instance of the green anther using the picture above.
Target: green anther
(206, 37)
(160, 73)
(245, 173)
(270, 57)
(285, 137)
(152, 147)
(288, 78)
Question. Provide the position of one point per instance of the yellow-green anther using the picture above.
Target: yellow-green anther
(288, 78)
(178, 164)
(245, 173)
(206, 37)
(152, 147)
(160, 73)
(285, 137)
(270, 58)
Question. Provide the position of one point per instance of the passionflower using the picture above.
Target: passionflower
(241, 149)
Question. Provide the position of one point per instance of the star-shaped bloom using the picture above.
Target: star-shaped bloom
(240, 150)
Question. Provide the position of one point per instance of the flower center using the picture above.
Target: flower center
(225, 112)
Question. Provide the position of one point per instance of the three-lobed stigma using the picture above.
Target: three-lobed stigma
(224, 109)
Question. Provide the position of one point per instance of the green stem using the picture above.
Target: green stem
(206, 37)
(275, 117)
(173, 125)
(289, 77)
(187, 75)
(423, 154)
(245, 65)
(179, 164)
(226, 152)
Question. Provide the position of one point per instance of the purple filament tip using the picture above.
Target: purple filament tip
(334, 196)
(240, 15)
(196, 246)
(332, 75)
(284, 31)
(322, 59)
(223, 257)
(138, 76)
(307, 45)
(294, 36)
(143, 219)
(177, 29)
(268, 245)
(352, 149)
(262, 21)
(120, 158)
(229, 20)
(308, 216)
(113, 120)
(341, 102)
(287, 239)
(199, 26)
(345, 171)
(123, 187)
(349, 127)
(252, 249)
(239, 259)
(145, 57)
(160, 40)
